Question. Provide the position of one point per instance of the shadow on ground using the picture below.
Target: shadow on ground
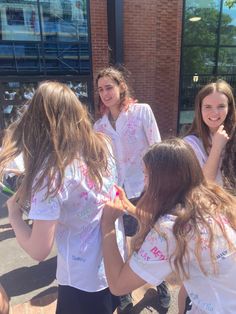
(25, 279)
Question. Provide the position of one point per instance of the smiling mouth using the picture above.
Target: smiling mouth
(214, 119)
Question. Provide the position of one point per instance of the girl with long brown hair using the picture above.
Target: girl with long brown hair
(212, 127)
(187, 225)
(69, 175)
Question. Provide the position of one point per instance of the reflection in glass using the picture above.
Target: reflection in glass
(19, 90)
(79, 88)
(198, 60)
(64, 20)
(227, 60)
(203, 30)
(17, 94)
(19, 21)
(228, 26)
(46, 36)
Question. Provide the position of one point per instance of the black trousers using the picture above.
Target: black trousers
(74, 301)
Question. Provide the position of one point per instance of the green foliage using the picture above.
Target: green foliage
(230, 3)
(200, 40)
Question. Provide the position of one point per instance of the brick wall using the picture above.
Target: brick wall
(152, 40)
(99, 37)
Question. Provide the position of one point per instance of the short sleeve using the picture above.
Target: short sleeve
(44, 209)
(197, 147)
(150, 126)
(151, 262)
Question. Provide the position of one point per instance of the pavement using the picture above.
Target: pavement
(32, 288)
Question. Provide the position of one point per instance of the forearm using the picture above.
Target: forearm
(22, 231)
(211, 166)
(112, 259)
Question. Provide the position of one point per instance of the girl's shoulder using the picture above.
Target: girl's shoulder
(193, 140)
(140, 106)
(165, 222)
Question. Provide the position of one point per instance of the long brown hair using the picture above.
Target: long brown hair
(53, 131)
(198, 127)
(118, 77)
(228, 167)
(177, 186)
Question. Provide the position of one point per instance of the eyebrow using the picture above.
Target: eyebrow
(107, 85)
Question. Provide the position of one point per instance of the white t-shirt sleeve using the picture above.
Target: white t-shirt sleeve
(197, 146)
(151, 262)
(150, 126)
(44, 209)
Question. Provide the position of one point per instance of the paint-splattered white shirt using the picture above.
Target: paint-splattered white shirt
(214, 293)
(136, 130)
(78, 209)
(197, 146)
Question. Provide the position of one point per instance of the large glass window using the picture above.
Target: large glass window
(208, 50)
(40, 40)
(45, 36)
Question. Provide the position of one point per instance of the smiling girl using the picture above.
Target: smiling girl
(212, 127)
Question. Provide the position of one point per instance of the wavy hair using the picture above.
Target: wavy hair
(119, 78)
(177, 186)
(228, 166)
(53, 131)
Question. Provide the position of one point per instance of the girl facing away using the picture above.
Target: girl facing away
(69, 175)
(187, 225)
(212, 128)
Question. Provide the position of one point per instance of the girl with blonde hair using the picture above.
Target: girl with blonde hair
(69, 175)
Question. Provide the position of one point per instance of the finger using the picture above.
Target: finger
(120, 191)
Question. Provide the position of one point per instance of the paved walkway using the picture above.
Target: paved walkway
(143, 303)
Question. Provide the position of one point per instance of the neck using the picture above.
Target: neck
(114, 113)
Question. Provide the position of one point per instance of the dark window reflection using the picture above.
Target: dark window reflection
(199, 60)
(15, 16)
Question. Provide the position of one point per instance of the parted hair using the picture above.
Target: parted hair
(198, 128)
(119, 78)
(54, 130)
(177, 186)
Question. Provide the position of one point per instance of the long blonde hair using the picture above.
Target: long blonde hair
(53, 131)
(177, 186)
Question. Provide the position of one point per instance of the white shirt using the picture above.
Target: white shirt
(215, 293)
(136, 130)
(78, 209)
(201, 154)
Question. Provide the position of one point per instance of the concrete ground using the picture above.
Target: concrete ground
(32, 288)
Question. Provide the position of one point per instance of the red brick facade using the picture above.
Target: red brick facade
(152, 44)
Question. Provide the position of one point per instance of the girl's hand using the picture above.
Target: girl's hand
(220, 138)
(127, 205)
(112, 210)
(14, 208)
